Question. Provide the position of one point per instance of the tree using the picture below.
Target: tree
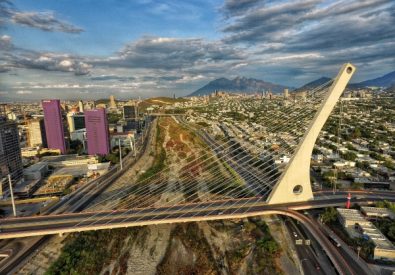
(391, 231)
(316, 151)
(350, 156)
(329, 215)
(389, 164)
(356, 133)
(76, 146)
(113, 118)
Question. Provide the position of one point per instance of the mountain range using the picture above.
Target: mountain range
(251, 85)
(238, 84)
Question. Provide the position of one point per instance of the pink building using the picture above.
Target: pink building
(97, 132)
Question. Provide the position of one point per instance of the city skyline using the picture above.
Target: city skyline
(143, 49)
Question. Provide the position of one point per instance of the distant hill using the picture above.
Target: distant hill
(314, 84)
(238, 84)
(385, 81)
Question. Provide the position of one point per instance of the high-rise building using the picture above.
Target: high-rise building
(81, 106)
(113, 104)
(97, 132)
(286, 93)
(54, 127)
(75, 121)
(36, 133)
(130, 112)
(10, 152)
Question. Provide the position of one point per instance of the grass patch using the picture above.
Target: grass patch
(89, 252)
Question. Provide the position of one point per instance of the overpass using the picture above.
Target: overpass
(187, 212)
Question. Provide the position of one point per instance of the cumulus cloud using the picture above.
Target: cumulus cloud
(314, 33)
(166, 53)
(24, 92)
(5, 42)
(302, 25)
(112, 77)
(237, 7)
(46, 21)
(14, 57)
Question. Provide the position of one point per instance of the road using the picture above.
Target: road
(310, 261)
(76, 222)
(347, 253)
(73, 222)
(21, 249)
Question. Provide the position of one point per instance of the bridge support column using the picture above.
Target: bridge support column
(294, 184)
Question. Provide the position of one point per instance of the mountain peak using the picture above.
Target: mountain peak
(239, 84)
(384, 81)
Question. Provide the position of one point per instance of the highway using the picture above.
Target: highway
(313, 261)
(232, 208)
(347, 253)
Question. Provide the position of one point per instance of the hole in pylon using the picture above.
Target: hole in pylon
(298, 189)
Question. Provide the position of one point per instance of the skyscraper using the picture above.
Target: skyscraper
(81, 106)
(36, 133)
(54, 125)
(286, 93)
(130, 112)
(113, 104)
(10, 152)
(97, 132)
(75, 121)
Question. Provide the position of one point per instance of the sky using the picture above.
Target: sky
(89, 49)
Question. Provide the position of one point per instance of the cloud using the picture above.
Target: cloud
(314, 25)
(5, 42)
(164, 53)
(24, 92)
(14, 57)
(268, 24)
(112, 77)
(312, 34)
(238, 7)
(46, 21)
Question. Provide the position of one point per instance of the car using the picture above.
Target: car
(295, 235)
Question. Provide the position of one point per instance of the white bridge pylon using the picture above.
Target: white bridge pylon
(294, 183)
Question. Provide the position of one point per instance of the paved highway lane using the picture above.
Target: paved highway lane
(237, 205)
(64, 223)
(308, 259)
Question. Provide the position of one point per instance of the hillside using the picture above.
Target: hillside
(383, 81)
(314, 83)
(238, 84)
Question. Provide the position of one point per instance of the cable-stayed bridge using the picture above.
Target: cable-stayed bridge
(258, 187)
